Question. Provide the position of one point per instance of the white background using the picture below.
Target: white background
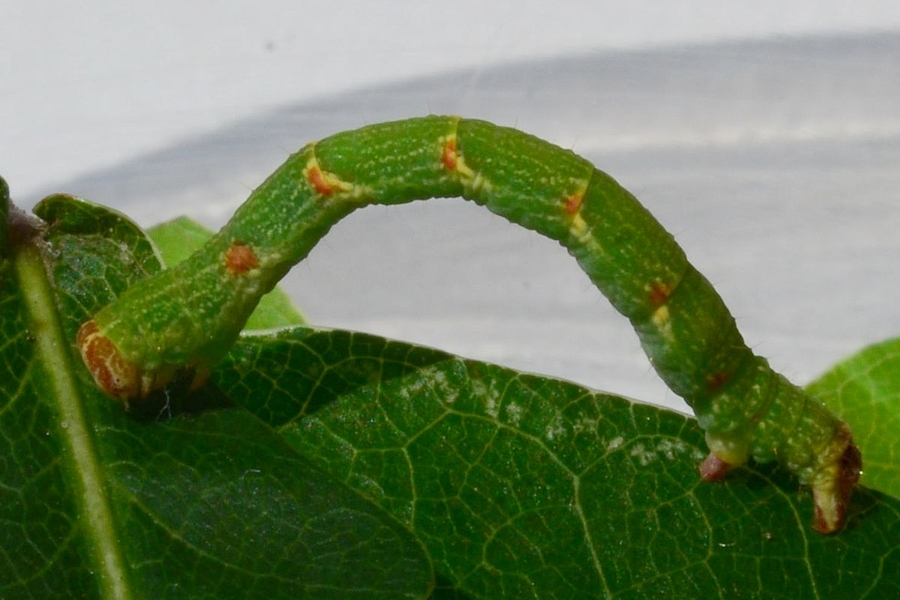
(764, 134)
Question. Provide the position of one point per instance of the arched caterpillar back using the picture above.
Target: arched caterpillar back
(186, 318)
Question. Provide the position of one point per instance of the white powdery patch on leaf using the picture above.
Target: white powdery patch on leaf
(615, 443)
(555, 429)
(490, 395)
(514, 413)
(431, 381)
(667, 448)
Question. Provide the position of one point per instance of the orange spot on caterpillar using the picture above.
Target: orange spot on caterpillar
(324, 183)
(659, 293)
(449, 155)
(573, 203)
(115, 374)
(452, 160)
(316, 178)
(239, 259)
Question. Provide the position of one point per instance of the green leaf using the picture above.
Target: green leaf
(97, 503)
(865, 390)
(179, 238)
(528, 487)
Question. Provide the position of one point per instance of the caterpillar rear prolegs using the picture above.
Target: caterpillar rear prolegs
(189, 316)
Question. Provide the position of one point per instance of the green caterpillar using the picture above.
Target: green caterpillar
(182, 321)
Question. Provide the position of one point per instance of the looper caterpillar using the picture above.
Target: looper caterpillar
(185, 319)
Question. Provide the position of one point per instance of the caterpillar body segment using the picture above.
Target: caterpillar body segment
(188, 316)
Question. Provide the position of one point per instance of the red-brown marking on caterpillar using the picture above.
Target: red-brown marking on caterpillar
(115, 374)
(317, 180)
(324, 183)
(713, 468)
(832, 498)
(452, 160)
(717, 380)
(659, 293)
(573, 203)
(449, 155)
(121, 378)
(239, 259)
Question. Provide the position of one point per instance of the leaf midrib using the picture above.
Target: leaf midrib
(52, 348)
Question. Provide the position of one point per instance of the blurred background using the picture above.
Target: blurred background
(765, 136)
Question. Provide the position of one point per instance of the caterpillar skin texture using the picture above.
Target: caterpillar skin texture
(186, 318)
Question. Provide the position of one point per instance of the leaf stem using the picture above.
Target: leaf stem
(56, 363)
